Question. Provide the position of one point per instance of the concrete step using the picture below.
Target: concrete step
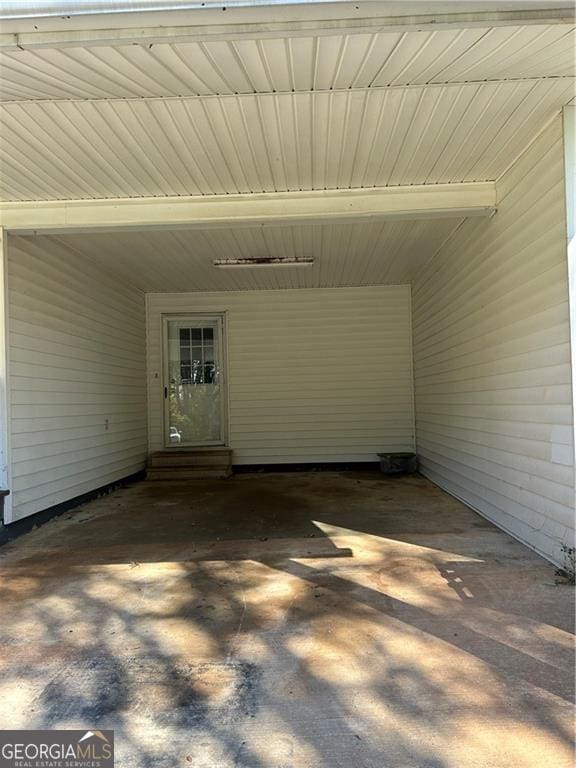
(188, 473)
(205, 457)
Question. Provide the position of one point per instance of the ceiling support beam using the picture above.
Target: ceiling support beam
(249, 210)
(277, 21)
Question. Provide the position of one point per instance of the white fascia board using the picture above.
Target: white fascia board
(312, 19)
(266, 209)
(5, 454)
(569, 122)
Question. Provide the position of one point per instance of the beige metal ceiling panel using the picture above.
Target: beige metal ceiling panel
(521, 52)
(267, 143)
(284, 65)
(347, 254)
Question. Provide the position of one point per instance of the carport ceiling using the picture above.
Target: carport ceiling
(295, 63)
(271, 142)
(260, 114)
(272, 109)
(346, 254)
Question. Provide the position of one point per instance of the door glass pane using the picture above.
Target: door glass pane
(194, 390)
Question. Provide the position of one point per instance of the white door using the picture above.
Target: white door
(194, 386)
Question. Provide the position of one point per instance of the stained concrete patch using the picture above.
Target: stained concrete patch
(187, 695)
(88, 690)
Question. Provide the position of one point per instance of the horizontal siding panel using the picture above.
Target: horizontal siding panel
(524, 395)
(553, 434)
(515, 310)
(70, 347)
(537, 531)
(535, 508)
(550, 361)
(536, 339)
(39, 411)
(313, 410)
(541, 413)
(33, 445)
(64, 377)
(303, 431)
(41, 397)
(75, 459)
(293, 447)
(519, 307)
(529, 257)
(314, 374)
(556, 375)
(529, 447)
(71, 387)
(356, 334)
(83, 328)
(492, 367)
(120, 301)
(77, 375)
(66, 358)
(35, 496)
(516, 468)
(43, 427)
(506, 235)
(288, 384)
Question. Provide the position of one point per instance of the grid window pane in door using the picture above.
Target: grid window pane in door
(197, 361)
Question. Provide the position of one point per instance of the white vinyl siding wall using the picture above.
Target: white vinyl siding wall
(77, 376)
(492, 357)
(314, 375)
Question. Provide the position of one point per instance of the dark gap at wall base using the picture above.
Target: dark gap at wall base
(326, 466)
(11, 531)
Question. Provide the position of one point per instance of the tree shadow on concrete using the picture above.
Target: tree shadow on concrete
(275, 661)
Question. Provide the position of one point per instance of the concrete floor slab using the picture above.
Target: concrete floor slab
(318, 620)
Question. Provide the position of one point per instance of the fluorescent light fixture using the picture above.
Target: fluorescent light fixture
(266, 261)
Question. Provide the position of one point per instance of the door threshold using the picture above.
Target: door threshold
(197, 448)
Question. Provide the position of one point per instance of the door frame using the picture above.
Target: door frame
(221, 317)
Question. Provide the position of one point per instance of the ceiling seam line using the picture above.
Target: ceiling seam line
(201, 97)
